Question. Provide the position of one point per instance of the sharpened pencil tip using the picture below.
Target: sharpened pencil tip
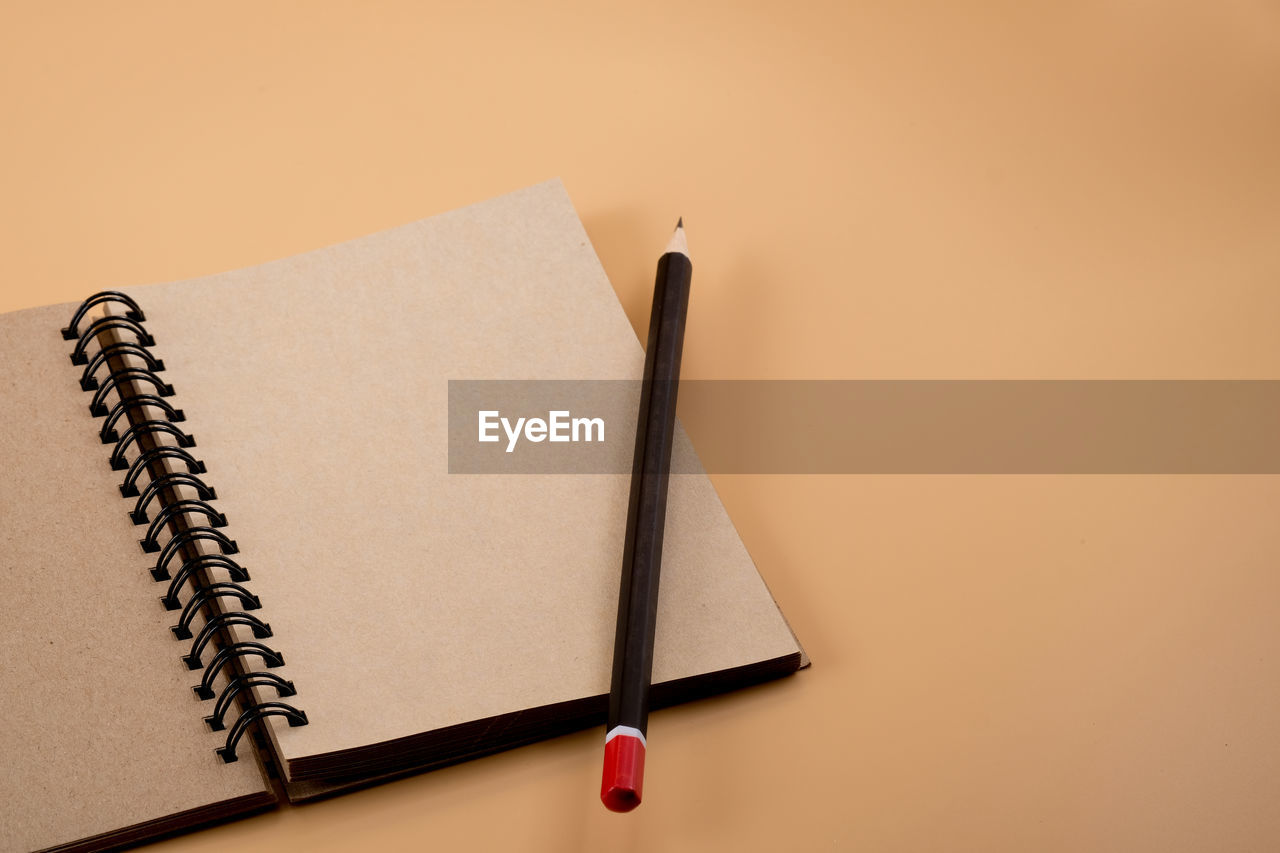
(679, 243)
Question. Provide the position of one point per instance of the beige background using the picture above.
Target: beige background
(945, 190)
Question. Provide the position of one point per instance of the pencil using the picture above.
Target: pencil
(624, 742)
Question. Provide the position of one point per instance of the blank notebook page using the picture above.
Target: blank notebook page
(99, 729)
(406, 599)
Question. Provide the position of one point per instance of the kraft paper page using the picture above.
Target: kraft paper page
(406, 599)
(101, 730)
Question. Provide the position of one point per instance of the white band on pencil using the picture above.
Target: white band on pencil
(625, 730)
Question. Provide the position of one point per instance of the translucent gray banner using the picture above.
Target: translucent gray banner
(876, 427)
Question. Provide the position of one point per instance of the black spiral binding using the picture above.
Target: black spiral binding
(98, 407)
(106, 324)
(188, 536)
(88, 382)
(71, 332)
(118, 460)
(151, 542)
(129, 488)
(206, 562)
(108, 432)
(205, 594)
(139, 514)
(284, 688)
(131, 374)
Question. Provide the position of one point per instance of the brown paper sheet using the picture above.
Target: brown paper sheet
(99, 729)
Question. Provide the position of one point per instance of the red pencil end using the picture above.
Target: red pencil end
(623, 779)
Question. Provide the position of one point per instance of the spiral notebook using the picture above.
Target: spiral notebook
(235, 563)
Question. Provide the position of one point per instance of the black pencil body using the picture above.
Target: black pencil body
(647, 510)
